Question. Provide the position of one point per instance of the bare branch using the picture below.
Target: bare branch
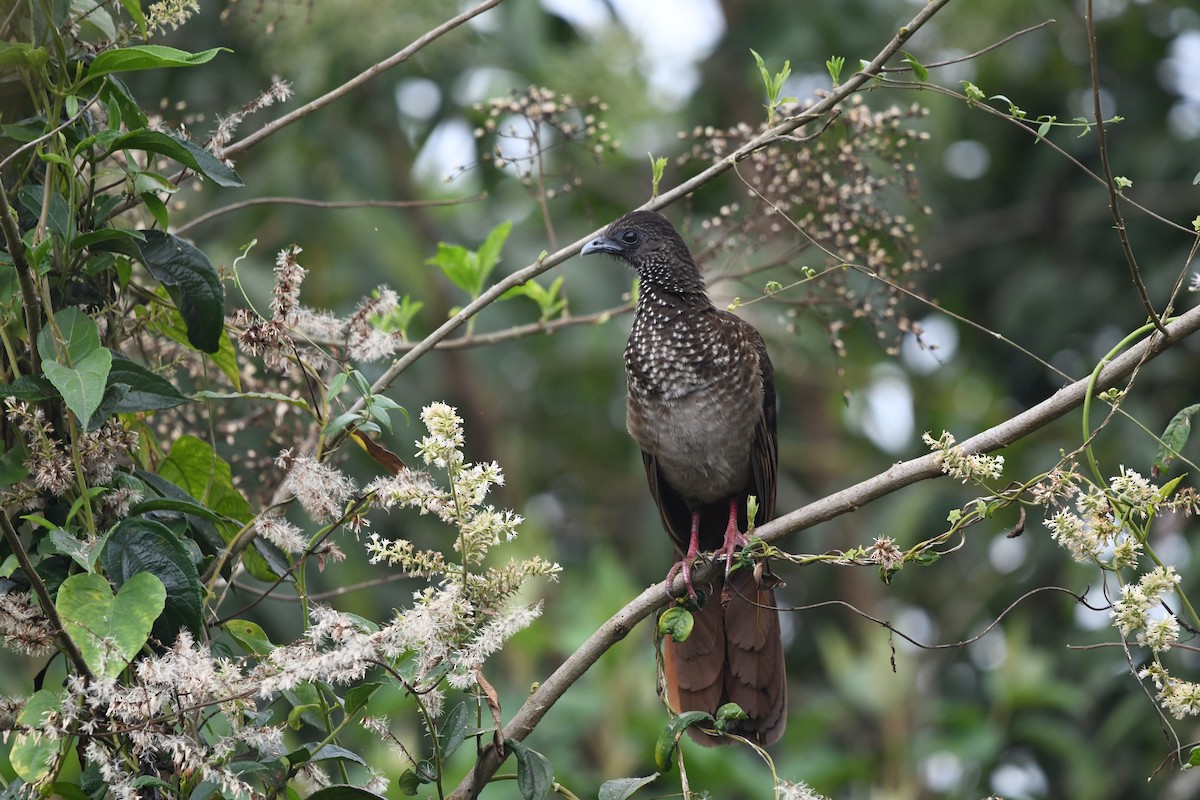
(304, 201)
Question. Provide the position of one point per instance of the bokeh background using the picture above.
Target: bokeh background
(1023, 246)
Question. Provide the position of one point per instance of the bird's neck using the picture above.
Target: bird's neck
(675, 278)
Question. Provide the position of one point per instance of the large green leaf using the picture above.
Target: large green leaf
(147, 56)
(194, 467)
(109, 630)
(192, 282)
(185, 152)
(81, 375)
(32, 755)
(138, 546)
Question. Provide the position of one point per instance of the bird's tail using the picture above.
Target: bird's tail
(733, 655)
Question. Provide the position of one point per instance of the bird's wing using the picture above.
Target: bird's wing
(676, 517)
(764, 454)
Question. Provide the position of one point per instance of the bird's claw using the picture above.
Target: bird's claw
(684, 566)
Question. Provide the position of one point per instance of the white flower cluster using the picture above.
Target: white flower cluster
(963, 466)
(1133, 612)
(466, 618)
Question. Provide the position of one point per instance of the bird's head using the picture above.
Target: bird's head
(648, 242)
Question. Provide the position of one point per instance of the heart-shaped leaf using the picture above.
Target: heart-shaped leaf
(109, 630)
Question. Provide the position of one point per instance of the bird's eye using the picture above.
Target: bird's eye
(631, 237)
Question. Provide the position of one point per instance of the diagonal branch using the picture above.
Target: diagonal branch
(822, 107)
(835, 505)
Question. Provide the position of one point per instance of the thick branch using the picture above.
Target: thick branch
(835, 505)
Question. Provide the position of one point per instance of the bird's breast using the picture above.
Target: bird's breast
(694, 406)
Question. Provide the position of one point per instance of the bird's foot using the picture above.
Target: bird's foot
(734, 539)
(684, 566)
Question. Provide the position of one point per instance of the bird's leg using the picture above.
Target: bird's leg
(684, 565)
(734, 538)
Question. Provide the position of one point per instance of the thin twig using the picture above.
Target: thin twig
(977, 53)
(1110, 184)
(357, 81)
(304, 201)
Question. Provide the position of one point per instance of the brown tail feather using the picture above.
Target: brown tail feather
(734, 654)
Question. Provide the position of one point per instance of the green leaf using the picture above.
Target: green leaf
(157, 208)
(1194, 757)
(668, 740)
(108, 630)
(81, 380)
(535, 777)
(139, 546)
(192, 282)
(32, 755)
(81, 552)
(251, 636)
(22, 54)
(1173, 439)
(310, 752)
(134, 9)
(203, 521)
(727, 713)
(12, 467)
(194, 467)
(489, 251)
(182, 150)
(81, 337)
(624, 788)
(104, 235)
(30, 388)
(409, 784)
(148, 56)
(453, 729)
(676, 622)
(148, 391)
(58, 218)
(357, 698)
(94, 19)
(919, 71)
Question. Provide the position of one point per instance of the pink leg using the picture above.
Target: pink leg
(734, 538)
(684, 565)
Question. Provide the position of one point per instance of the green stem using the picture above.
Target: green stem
(29, 296)
(1187, 604)
(1091, 392)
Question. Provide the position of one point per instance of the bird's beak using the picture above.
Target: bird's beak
(603, 244)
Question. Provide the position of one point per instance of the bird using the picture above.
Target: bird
(701, 406)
